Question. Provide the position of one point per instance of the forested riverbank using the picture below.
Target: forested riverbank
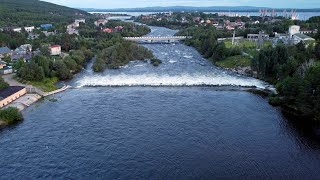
(293, 69)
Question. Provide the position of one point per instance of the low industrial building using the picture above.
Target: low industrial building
(10, 94)
(294, 36)
(255, 37)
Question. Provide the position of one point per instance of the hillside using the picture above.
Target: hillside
(35, 12)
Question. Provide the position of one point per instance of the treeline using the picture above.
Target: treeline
(42, 66)
(12, 39)
(204, 39)
(295, 70)
(120, 54)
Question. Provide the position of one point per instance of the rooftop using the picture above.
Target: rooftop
(4, 50)
(304, 37)
(4, 93)
(55, 46)
(3, 63)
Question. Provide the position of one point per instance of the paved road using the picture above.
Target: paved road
(11, 81)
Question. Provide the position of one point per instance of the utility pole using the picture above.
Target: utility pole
(233, 37)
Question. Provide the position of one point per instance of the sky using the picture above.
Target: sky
(110, 4)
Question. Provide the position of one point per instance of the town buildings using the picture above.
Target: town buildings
(294, 36)
(5, 52)
(55, 50)
(10, 94)
(101, 22)
(107, 30)
(46, 26)
(2, 64)
(29, 29)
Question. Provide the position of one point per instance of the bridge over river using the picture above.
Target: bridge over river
(158, 38)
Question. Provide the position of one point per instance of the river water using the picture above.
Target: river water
(185, 119)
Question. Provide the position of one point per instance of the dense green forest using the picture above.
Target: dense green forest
(295, 70)
(35, 12)
(120, 54)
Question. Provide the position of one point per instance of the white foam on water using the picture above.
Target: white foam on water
(167, 80)
(188, 57)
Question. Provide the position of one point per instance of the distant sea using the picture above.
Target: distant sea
(302, 15)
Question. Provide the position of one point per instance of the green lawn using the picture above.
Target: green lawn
(242, 44)
(46, 85)
(234, 62)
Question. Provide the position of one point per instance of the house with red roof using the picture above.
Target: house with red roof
(107, 30)
(55, 50)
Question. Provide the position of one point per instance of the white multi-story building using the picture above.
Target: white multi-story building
(29, 29)
(80, 21)
(17, 29)
(101, 22)
(55, 50)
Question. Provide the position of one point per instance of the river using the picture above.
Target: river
(185, 119)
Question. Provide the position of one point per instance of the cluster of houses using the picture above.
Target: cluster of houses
(103, 22)
(30, 30)
(219, 23)
(110, 30)
(24, 52)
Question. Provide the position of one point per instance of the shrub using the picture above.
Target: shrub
(10, 115)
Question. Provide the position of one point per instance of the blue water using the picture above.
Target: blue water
(156, 133)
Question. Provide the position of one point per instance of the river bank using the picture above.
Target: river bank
(33, 95)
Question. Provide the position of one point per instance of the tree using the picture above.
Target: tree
(44, 50)
(45, 63)
(317, 50)
(70, 63)
(31, 72)
(62, 71)
(3, 84)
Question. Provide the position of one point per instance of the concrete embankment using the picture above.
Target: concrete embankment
(33, 96)
(33, 93)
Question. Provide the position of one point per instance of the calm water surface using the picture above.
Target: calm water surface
(142, 122)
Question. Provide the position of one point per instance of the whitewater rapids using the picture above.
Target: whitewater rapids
(181, 66)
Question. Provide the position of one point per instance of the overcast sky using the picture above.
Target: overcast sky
(108, 4)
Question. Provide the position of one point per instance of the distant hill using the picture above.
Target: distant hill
(35, 12)
(191, 8)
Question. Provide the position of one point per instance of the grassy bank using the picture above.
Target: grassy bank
(234, 62)
(47, 85)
